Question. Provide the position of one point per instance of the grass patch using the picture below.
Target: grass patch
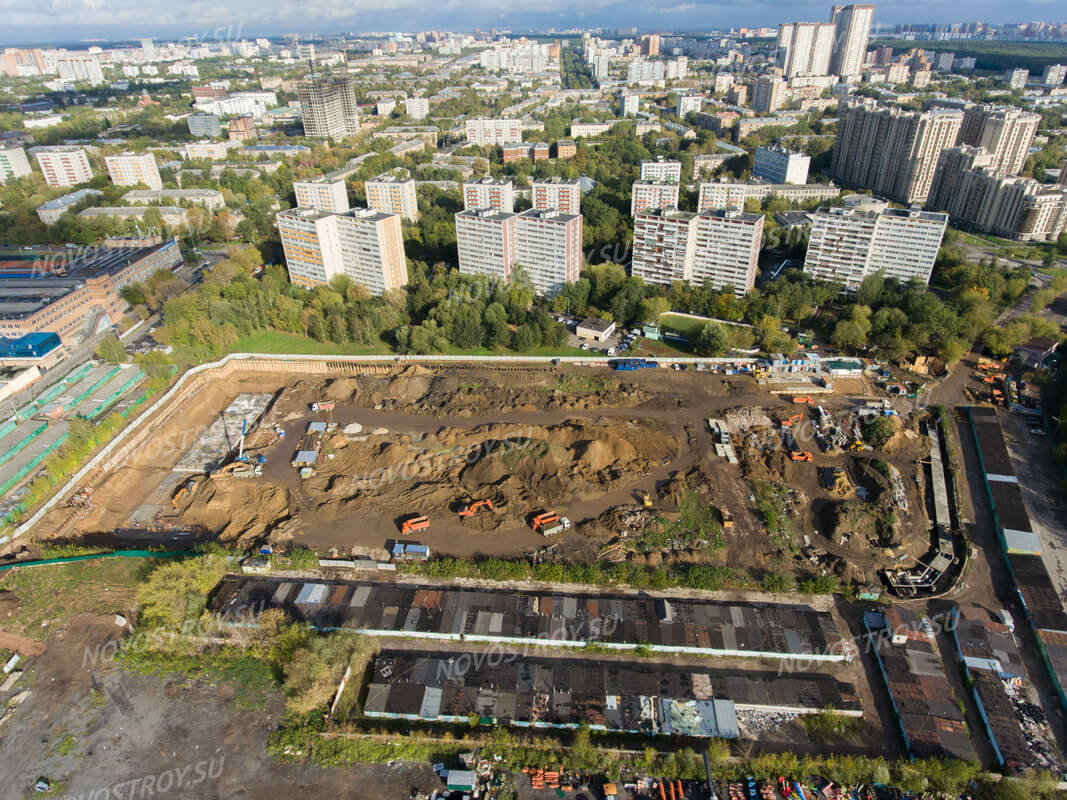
(684, 325)
(278, 342)
(51, 595)
(697, 527)
(252, 679)
(65, 746)
(828, 726)
(773, 509)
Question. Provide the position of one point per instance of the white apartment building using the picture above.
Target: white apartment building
(653, 194)
(372, 247)
(494, 131)
(852, 30)
(63, 165)
(131, 169)
(579, 129)
(805, 48)
(485, 242)
(778, 165)
(364, 244)
(1017, 78)
(727, 250)
(549, 248)
(489, 192)
(629, 104)
(716, 247)
(216, 151)
(385, 106)
(13, 163)
(417, 107)
(848, 244)
(324, 194)
(1053, 75)
(719, 194)
(210, 199)
(204, 125)
(562, 194)
(723, 81)
(661, 170)
(687, 103)
(664, 242)
(393, 195)
(79, 68)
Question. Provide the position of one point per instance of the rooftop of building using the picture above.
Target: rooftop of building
(22, 297)
(556, 180)
(323, 179)
(735, 216)
(549, 214)
(129, 211)
(177, 194)
(489, 180)
(667, 212)
(389, 177)
(494, 214)
(68, 199)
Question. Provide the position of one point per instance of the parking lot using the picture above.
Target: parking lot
(618, 343)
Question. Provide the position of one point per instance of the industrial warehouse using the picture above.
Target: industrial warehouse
(697, 627)
(930, 722)
(1021, 546)
(632, 697)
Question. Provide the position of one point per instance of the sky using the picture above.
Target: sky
(72, 20)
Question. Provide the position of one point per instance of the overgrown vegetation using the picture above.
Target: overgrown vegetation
(772, 507)
(698, 527)
(829, 726)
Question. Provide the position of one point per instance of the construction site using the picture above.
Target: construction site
(578, 463)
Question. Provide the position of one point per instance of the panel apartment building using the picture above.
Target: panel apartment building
(131, 169)
(546, 242)
(364, 244)
(63, 165)
(323, 193)
(892, 152)
(489, 192)
(848, 244)
(661, 170)
(718, 248)
(392, 194)
(13, 164)
(562, 194)
(328, 106)
(494, 131)
(653, 194)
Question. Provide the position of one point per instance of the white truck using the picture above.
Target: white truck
(557, 527)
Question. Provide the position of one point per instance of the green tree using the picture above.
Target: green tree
(111, 350)
(712, 340)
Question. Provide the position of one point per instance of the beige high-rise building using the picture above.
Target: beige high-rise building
(364, 244)
(852, 29)
(63, 165)
(482, 131)
(849, 243)
(892, 152)
(805, 48)
(394, 195)
(486, 242)
(768, 94)
(562, 194)
(979, 198)
(329, 107)
(489, 192)
(653, 194)
(324, 193)
(131, 169)
(1017, 79)
(1005, 132)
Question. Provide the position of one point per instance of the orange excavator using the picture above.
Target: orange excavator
(469, 509)
(788, 423)
(800, 455)
(801, 399)
(409, 526)
(543, 519)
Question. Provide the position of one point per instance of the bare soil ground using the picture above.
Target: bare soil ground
(585, 443)
(90, 727)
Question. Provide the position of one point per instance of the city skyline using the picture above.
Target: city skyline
(112, 21)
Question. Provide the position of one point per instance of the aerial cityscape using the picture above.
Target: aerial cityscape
(444, 402)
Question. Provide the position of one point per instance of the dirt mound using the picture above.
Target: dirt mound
(238, 510)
